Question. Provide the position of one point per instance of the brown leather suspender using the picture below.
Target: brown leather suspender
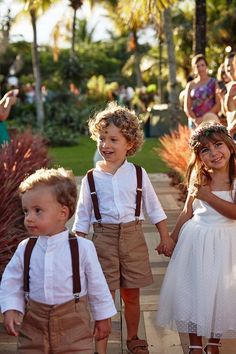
(94, 195)
(95, 198)
(74, 249)
(139, 191)
(28, 251)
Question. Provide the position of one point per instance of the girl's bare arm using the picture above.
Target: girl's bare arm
(184, 216)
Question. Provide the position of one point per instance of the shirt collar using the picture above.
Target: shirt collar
(61, 236)
(123, 166)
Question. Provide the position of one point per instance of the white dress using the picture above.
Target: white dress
(198, 294)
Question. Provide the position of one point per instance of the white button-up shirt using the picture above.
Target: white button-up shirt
(117, 198)
(51, 280)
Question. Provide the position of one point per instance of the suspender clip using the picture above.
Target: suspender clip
(26, 296)
(139, 189)
(93, 193)
(76, 296)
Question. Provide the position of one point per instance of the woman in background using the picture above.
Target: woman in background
(201, 94)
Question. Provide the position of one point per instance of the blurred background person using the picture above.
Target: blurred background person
(201, 96)
(6, 103)
(230, 98)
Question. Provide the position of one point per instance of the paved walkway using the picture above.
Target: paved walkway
(161, 341)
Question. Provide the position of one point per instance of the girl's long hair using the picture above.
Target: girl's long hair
(196, 169)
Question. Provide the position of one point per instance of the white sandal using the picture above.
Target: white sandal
(213, 345)
(191, 347)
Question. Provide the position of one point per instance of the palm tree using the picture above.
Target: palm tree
(34, 8)
(199, 26)
(150, 11)
(75, 4)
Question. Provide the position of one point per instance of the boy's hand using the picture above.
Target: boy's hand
(166, 247)
(12, 319)
(102, 329)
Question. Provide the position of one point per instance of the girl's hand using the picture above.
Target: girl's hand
(166, 247)
(102, 329)
(201, 191)
(12, 319)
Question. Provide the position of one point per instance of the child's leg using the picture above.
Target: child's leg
(131, 298)
(101, 345)
(214, 348)
(195, 340)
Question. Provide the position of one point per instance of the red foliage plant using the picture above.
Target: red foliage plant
(24, 155)
(175, 150)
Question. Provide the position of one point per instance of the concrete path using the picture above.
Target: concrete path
(161, 341)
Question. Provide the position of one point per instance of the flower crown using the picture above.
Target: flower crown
(206, 131)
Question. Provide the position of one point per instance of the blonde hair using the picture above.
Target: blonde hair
(122, 118)
(209, 131)
(63, 185)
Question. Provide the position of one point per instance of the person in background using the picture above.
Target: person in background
(6, 103)
(201, 96)
(230, 96)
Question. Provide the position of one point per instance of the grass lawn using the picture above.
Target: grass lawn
(79, 158)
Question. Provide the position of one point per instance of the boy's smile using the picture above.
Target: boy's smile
(43, 214)
(113, 145)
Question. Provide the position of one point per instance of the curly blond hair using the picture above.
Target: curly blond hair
(122, 118)
(63, 185)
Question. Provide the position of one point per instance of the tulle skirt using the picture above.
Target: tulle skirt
(198, 294)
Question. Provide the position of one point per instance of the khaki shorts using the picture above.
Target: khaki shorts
(58, 329)
(123, 254)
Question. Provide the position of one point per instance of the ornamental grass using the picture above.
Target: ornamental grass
(25, 154)
(175, 149)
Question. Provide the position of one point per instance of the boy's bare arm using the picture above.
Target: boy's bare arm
(12, 319)
(166, 244)
(102, 329)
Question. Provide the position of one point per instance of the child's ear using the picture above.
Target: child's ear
(65, 212)
(129, 145)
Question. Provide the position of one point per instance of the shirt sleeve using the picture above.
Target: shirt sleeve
(100, 300)
(11, 292)
(84, 209)
(151, 202)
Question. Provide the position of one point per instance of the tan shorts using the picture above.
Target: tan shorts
(123, 254)
(58, 329)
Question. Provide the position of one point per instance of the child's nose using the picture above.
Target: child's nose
(104, 143)
(29, 217)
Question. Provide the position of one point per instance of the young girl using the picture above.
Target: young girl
(198, 295)
(120, 191)
(55, 273)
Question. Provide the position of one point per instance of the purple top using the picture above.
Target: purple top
(203, 97)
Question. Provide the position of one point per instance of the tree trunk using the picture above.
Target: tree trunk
(199, 27)
(139, 81)
(172, 89)
(159, 79)
(37, 77)
(73, 34)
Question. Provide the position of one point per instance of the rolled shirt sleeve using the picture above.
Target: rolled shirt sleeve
(12, 295)
(151, 202)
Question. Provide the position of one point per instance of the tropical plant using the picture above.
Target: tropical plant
(25, 154)
(174, 150)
